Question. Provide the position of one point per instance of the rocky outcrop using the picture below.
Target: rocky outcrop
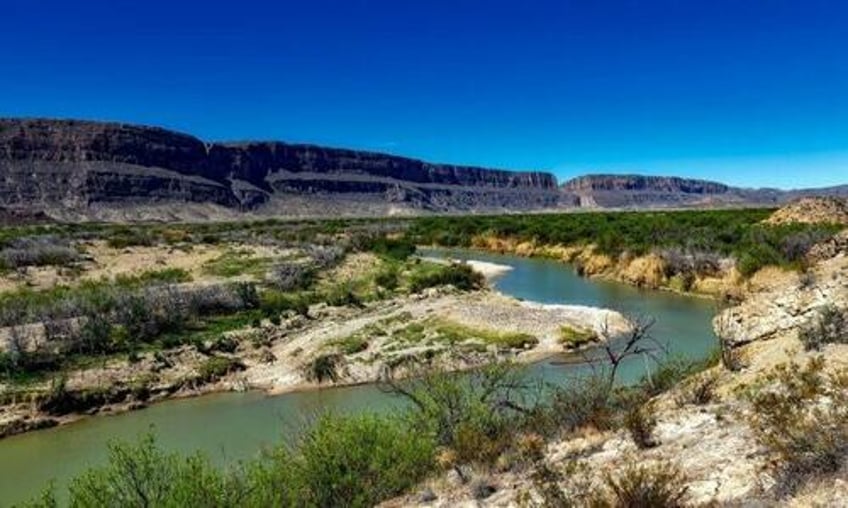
(784, 302)
(828, 210)
(60, 166)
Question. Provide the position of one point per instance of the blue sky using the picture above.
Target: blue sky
(749, 92)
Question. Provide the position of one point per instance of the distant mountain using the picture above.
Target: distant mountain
(640, 191)
(82, 170)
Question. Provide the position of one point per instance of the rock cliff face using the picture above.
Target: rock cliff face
(626, 191)
(78, 170)
(640, 191)
(66, 167)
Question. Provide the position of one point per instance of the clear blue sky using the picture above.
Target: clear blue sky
(749, 92)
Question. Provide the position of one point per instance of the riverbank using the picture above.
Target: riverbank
(449, 329)
(650, 271)
(757, 428)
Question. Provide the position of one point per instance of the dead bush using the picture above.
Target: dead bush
(698, 391)
(641, 422)
(660, 485)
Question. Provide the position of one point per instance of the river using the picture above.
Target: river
(235, 426)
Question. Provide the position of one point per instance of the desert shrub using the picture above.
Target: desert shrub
(669, 373)
(233, 263)
(130, 237)
(216, 367)
(802, 420)
(352, 344)
(396, 249)
(273, 303)
(342, 295)
(56, 399)
(141, 474)
(459, 275)
(640, 423)
(795, 246)
(756, 257)
(324, 367)
(360, 461)
(323, 257)
(475, 415)
(584, 402)
(644, 486)
(829, 326)
(290, 276)
(163, 276)
(698, 391)
(37, 251)
(388, 277)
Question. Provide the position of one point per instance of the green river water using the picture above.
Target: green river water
(234, 426)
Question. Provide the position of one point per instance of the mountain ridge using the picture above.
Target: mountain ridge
(82, 169)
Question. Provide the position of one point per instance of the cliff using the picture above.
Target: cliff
(625, 191)
(640, 191)
(81, 168)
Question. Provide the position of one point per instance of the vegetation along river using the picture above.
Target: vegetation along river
(233, 426)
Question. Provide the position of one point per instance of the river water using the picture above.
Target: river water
(229, 427)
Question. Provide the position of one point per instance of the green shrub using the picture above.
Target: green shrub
(273, 303)
(395, 249)
(574, 338)
(352, 344)
(388, 277)
(475, 414)
(342, 295)
(216, 367)
(701, 237)
(141, 474)
(130, 237)
(324, 367)
(360, 461)
(459, 275)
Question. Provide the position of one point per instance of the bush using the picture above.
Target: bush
(360, 461)
(698, 391)
(141, 474)
(216, 367)
(290, 276)
(394, 249)
(37, 251)
(388, 277)
(640, 422)
(644, 486)
(757, 257)
(273, 303)
(829, 326)
(574, 338)
(342, 295)
(803, 421)
(473, 415)
(324, 367)
(130, 237)
(459, 275)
